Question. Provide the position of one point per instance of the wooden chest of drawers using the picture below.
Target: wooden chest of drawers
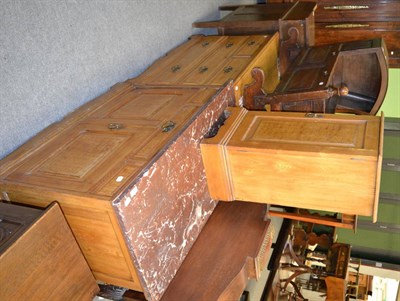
(126, 169)
(213, 60)
(293, 21)
(39, 257)
(323, 162)
(267, 19)
(342, 21)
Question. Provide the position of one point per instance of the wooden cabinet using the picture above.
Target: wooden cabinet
(267, 19)
(213, 60)
(126, 169)
(318, 161)
(349, 77)
(232, 248)
(343, 21)
(39, 257)
(293, 21)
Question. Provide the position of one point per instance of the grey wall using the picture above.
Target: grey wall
(56, 55)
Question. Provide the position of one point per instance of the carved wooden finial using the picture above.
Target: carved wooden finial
(254, 89)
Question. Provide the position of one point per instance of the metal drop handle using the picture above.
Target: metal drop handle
(228, 69)
(175, 68)
(168, 126)
(346, 7)
(203, 69)
(115, 126)
(347, 25)
(313, 115)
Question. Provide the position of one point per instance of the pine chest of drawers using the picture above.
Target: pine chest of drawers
(315, 161)
(126, 169)
(213, 60)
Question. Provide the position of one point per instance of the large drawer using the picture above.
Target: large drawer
(320, 161)
(335, 32)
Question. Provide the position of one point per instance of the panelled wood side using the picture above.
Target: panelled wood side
(325, 163)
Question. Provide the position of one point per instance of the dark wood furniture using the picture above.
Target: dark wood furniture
(338, 260)
(232, 248)
(328, 270)
(39, 257)
(293, 21)
(267, 19)
(343, 21)
(321, 158)
(346, 77)
(126, 169)
(346, 221)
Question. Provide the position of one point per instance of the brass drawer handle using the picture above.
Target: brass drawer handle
(349, 25)
(229, 45)
(168, 126)
(203, 69)
(251, 43)
(346, 7)
(313, 115)
(228, 69)
(115, 126)
(175, 68)
(205, 44)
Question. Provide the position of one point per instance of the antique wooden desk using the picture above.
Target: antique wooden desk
(267, 19)
(293, 21)
(343, 21)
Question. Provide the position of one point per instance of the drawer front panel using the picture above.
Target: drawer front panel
(327, 33)
(358, 11)
(172, 67)
(200, 63)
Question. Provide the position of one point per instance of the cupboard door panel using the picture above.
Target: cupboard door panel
(81, 157)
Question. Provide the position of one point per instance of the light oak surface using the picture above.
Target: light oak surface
(89, 161)
(213, 60)
(324, 162)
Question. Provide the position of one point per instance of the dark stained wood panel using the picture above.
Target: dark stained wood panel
(232, 247)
